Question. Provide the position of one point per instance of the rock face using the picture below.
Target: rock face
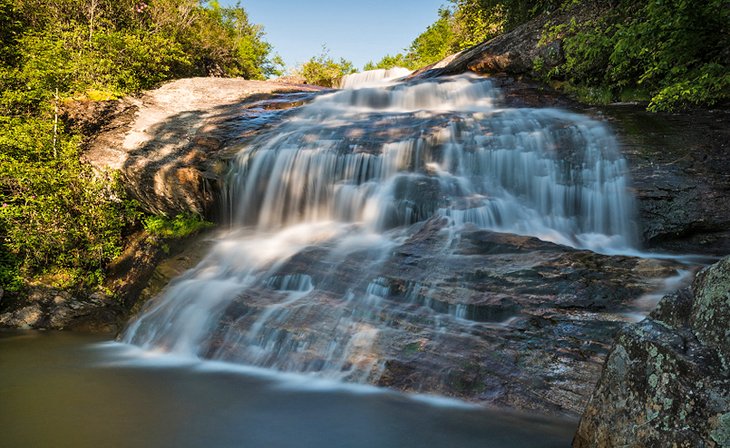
(534, 320)
(666, 381)
(168, 144)
(680, 166)
(518, 51)
(512, 53)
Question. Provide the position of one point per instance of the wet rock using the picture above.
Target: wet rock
(666, 381)
(493, 318)
(681, 174)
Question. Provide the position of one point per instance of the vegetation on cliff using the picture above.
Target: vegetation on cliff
(671, 53)
(58, 218)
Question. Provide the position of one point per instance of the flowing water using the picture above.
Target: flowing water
(319, 204)
(373, 77)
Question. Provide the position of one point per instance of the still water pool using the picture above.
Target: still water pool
(71, 390)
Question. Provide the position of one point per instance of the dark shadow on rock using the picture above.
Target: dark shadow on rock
(181, 167)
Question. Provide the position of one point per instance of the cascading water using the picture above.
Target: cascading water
(319, 204)
(373, 77)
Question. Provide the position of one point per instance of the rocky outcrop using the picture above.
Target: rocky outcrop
(680, 166)
(513, 53)
(517, 52)
(55, 309)
(536, 318)
(169, 144)
(170, 148)
(666, 381)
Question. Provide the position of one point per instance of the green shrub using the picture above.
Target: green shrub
(388, 62)
(58, 218)
(674, 50)
(323, 70)
(180, 226)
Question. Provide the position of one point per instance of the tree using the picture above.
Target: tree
(435, 43)
(388, 61)
(323, 70)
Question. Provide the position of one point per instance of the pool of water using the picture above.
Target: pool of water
(72, 390)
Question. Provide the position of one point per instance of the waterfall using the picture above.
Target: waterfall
(373, 77)
(318, 204)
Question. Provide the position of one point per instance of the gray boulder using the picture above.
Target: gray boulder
(666, 381)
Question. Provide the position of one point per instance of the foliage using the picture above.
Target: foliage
(476, 21)
(56, 214)
(388, 62)
(180, 226)
(435, 43)
(59, 214)
(673, 51)
(676, 50)
(464, 24)
(323, 70)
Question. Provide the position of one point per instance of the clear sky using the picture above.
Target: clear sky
(357, 30)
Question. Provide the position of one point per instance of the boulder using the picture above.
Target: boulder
(493, 318)
(666, 381)
(169, 144)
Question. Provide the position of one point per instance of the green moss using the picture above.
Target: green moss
(180, 226)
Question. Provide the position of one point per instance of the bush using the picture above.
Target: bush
(56, 214)
(676, 50)
(178, 227)
(324, 71)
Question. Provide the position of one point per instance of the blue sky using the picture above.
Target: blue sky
(358, 30)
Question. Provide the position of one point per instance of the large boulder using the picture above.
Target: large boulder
(170, 144)
(666, 381)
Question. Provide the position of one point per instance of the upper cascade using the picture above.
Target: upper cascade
(373, 77)
(391, 156)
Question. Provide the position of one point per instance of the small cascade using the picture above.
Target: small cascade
(319, 205)
(373, 77)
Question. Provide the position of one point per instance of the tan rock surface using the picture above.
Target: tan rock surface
(167, 142)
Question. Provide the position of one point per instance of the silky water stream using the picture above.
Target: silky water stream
(406, 235)
(319, 204)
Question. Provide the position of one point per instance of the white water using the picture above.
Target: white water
(343, 179)
(373, 77)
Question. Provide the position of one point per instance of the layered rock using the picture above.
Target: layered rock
(169, 144)
(492, 318)
(666, 381)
